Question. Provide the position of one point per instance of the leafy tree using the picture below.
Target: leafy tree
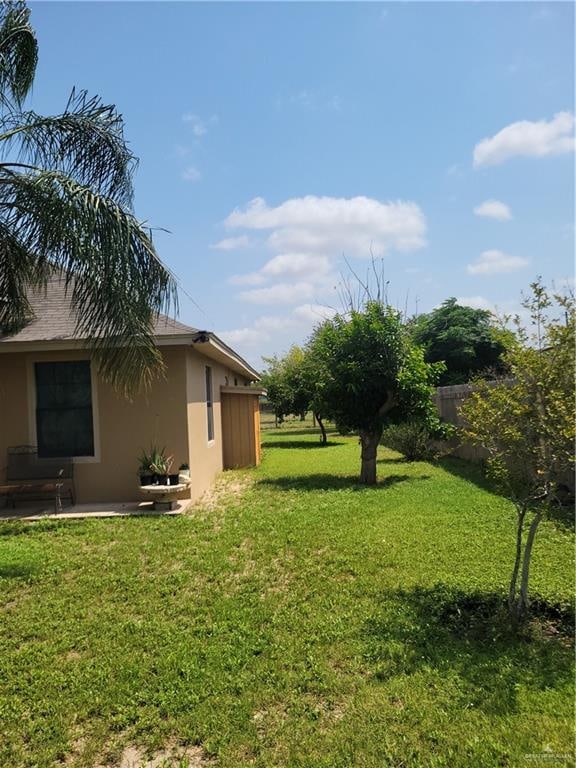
(367, 373)
(296, 381)
(466, 339)
(288, 383)
(273, 382)
(526, 424)
(66, 206)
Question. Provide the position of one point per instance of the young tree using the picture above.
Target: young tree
(273, 382)
(288, 383)
(366, 371)
(466, 339)
(66, 205)
(526, 423)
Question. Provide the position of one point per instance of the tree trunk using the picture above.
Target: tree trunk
(521, 514)
(369, 442)
(323, 438)
(523, 602)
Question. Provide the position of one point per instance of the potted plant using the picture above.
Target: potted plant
(161, 466)
(145, 471)
(184, 473)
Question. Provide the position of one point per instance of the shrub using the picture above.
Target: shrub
(414, 440)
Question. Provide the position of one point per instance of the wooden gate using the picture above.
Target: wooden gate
(240, 427)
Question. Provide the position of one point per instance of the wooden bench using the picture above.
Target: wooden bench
(31, 478)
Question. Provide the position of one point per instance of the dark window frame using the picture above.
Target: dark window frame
(59, 402)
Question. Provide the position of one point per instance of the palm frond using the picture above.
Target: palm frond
(85, 142)
(18, 52)
(19, 271)
(118, 284)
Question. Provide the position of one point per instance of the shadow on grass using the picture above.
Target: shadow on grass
(17, 571)
(25, 528)
(468, 635)
(277, 432)
(299, 444)
(334, 482)
(468, 470)
(562, 516)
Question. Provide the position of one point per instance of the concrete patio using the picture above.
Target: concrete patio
(31, 512)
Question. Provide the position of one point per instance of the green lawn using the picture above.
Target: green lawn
(297, 620)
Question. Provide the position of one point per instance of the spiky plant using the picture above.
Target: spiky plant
(66, 207)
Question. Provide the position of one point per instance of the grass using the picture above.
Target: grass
(297, 620)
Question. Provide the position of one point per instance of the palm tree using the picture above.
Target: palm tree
(66, 207)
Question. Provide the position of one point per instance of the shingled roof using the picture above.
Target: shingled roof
(55, 320)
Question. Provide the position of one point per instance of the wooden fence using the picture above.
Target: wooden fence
(449, 401)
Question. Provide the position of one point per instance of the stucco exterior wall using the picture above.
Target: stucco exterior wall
(13, 405)
(205, 455)
(122, 428)
(173, 414)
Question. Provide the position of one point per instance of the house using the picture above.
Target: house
(202, 411)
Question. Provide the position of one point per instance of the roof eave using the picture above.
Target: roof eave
(206, 339)
(231, 357)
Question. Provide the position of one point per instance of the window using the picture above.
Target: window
(64, 425)
(209, 403)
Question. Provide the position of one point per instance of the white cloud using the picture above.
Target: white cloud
(495, 262)
(308, 234)
(191, 174)
(476, 302)
(249, 337)
(281, 293)
(297, 265)
(329, 225)
(299, 322)
(494, 209)
(199, 125)
(528, 139)
(273, 322)
(232, 243)
(313, 313)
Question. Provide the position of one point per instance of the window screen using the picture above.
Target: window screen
(64, 424)
(209, 403)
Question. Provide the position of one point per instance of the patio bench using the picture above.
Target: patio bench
(31, 478)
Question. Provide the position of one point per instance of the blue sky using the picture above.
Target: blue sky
(276, 140)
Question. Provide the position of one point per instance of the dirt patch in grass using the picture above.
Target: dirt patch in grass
(214, 503)
(71, 656)
(173, 755)
(223, 489)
